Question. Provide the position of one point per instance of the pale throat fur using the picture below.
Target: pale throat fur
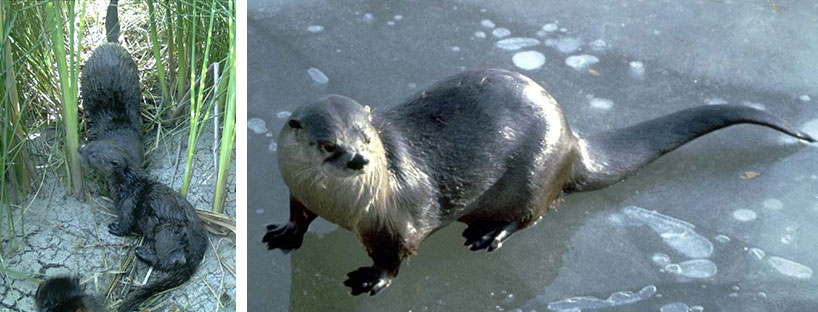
(367, 200)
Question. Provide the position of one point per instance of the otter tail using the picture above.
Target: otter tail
(610, 157)
(173, 279)
(112, 22)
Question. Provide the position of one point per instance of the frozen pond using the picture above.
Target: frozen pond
(726, 223)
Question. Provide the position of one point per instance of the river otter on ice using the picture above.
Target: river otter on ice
(175, 238)
(488, 148)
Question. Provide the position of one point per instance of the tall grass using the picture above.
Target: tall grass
(199, 35)
(67, 65)
(229, 129)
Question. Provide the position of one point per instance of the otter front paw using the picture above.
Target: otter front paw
(367, 279)
(284, 237)
(116, 230)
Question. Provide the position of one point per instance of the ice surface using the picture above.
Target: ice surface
(284, 114)
(636, 70)
(315, 28)
(565, 45)
(528, 60)
(674, 307)
(755, 105)
(368, 18)
(804, 98)
(757, 253)
(744, 215)
(790, 268)
(258, 125)
(598, 45)
(581, 62)
(317, 75)
(516, 43)
(487, 23)
(773, 203)
(454, 48)
(615, 299)
(549, 27)
(715, 101)
(501, 32)
(676, 233)
(661, 259)
(696, 268)
(273, 146)
(601, 103)
(480, 34)
(398, 17)
(811, 128)
(721, 238)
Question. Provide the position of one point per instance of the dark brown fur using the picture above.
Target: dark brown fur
(175, 238)
(64, 294)
(490, 148)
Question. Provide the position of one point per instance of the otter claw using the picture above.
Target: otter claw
(115, 230)
(489, 240)
(283, 237)
(367, 279)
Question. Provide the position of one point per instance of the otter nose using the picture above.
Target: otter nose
(358, 162)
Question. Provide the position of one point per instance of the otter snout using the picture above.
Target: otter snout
(357, 163)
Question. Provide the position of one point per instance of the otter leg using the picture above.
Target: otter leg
(124, 210)
(387, 253)
(146, 255)
(289, 236)
(488, 235)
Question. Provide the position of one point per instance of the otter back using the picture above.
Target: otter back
(111, 99)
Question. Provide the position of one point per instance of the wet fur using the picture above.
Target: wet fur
(175, 238)
(111, 100)
(64, 294)
(488, 148)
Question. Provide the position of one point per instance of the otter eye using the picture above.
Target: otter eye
(295, 124)
(366, 139)
(329, 147)
(115, 163)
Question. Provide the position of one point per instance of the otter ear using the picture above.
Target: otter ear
(295, 124)
(368, 111)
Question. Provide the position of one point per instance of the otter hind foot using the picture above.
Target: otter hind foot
(116, 230)
(367, 279)
(284, 237)
(145, 255)
(487, 236)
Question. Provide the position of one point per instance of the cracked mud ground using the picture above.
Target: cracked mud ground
(65, 236)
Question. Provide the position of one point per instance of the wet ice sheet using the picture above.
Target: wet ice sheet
(790, 268)
(317, 75)
(528, 60)
(516, 43)
(615, 299)
(678, 234)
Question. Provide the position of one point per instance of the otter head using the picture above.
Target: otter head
(103, 157)
(333, 134)
(56, 291)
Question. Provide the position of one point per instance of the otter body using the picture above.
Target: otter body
(488, 148)
(175, 238)
(64, 294)
(111, 100)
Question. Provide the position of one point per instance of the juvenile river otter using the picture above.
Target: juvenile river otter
(488, 148)
(64, 294)
(111, 100)
(175, 238)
